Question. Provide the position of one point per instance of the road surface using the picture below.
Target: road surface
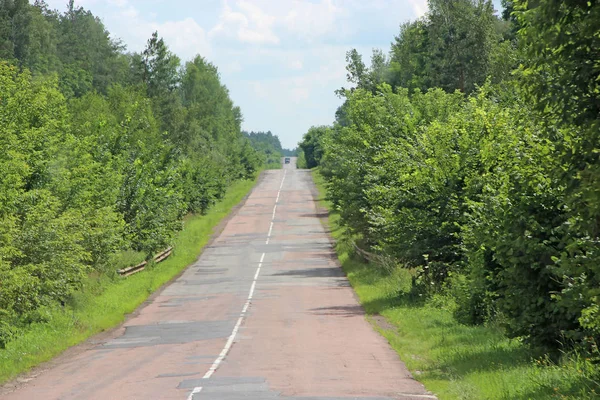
(264, 313)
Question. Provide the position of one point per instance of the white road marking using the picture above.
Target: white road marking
(284, 174)
(246, 305)
(197, 389)
(262, 258)
(225, 350)
(275, 208)
(231, 338)
(252, 290)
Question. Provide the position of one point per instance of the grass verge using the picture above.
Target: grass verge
(452, 360)
(273, 165)
(104, 304)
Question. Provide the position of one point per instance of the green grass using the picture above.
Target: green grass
(452, 360)
(273, 165)
(104, 304)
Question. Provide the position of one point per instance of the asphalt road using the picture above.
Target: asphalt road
(264, 313)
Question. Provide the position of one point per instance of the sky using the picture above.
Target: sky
(281, 60)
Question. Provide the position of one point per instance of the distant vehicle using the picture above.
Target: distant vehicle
(287, 160)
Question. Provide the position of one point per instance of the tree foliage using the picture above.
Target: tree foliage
(268, 146)
(457, 45)
(312, 146)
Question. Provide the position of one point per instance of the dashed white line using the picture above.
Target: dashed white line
(231, 338)
(196, 390)
(270, 229)
(284, 174)
(225, 350)
(274, 211)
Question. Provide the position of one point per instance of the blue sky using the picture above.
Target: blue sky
(280, 59)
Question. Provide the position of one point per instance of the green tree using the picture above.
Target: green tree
(410, 63)
(268, 146)
(457, 45)
(42, 255)
(160, 67)
(312, 145)
(15, 23)
(89, 57)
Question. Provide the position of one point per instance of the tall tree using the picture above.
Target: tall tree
(451, 47)
(159, 67)
(15, 25)
(410, 64)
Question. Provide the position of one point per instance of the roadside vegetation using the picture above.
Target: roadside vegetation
(453, 360)
(102, 303)
(104, 153)
(269, 147)
(466, 163)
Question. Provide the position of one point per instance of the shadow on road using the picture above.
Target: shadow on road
(313, 272)
(315, 215)
(339, 311)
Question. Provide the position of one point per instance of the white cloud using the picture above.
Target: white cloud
(185, 38)
(249, 24)
(280, 92)
(129, 12)
(264, 21)
(118, 3)
(311, 20)
(419, 7)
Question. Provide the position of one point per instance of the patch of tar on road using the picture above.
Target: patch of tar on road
(207, 281)
(268, 248)
(170, 333)
(182, 301)
(210, 271)
(311, 272)
(251, 388)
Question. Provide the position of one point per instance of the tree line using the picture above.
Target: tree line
(469, 156)
(103, 152)
(269, 146)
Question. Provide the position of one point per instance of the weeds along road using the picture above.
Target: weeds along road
(264, 313)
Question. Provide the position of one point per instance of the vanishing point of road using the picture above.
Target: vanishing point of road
(264, 313)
